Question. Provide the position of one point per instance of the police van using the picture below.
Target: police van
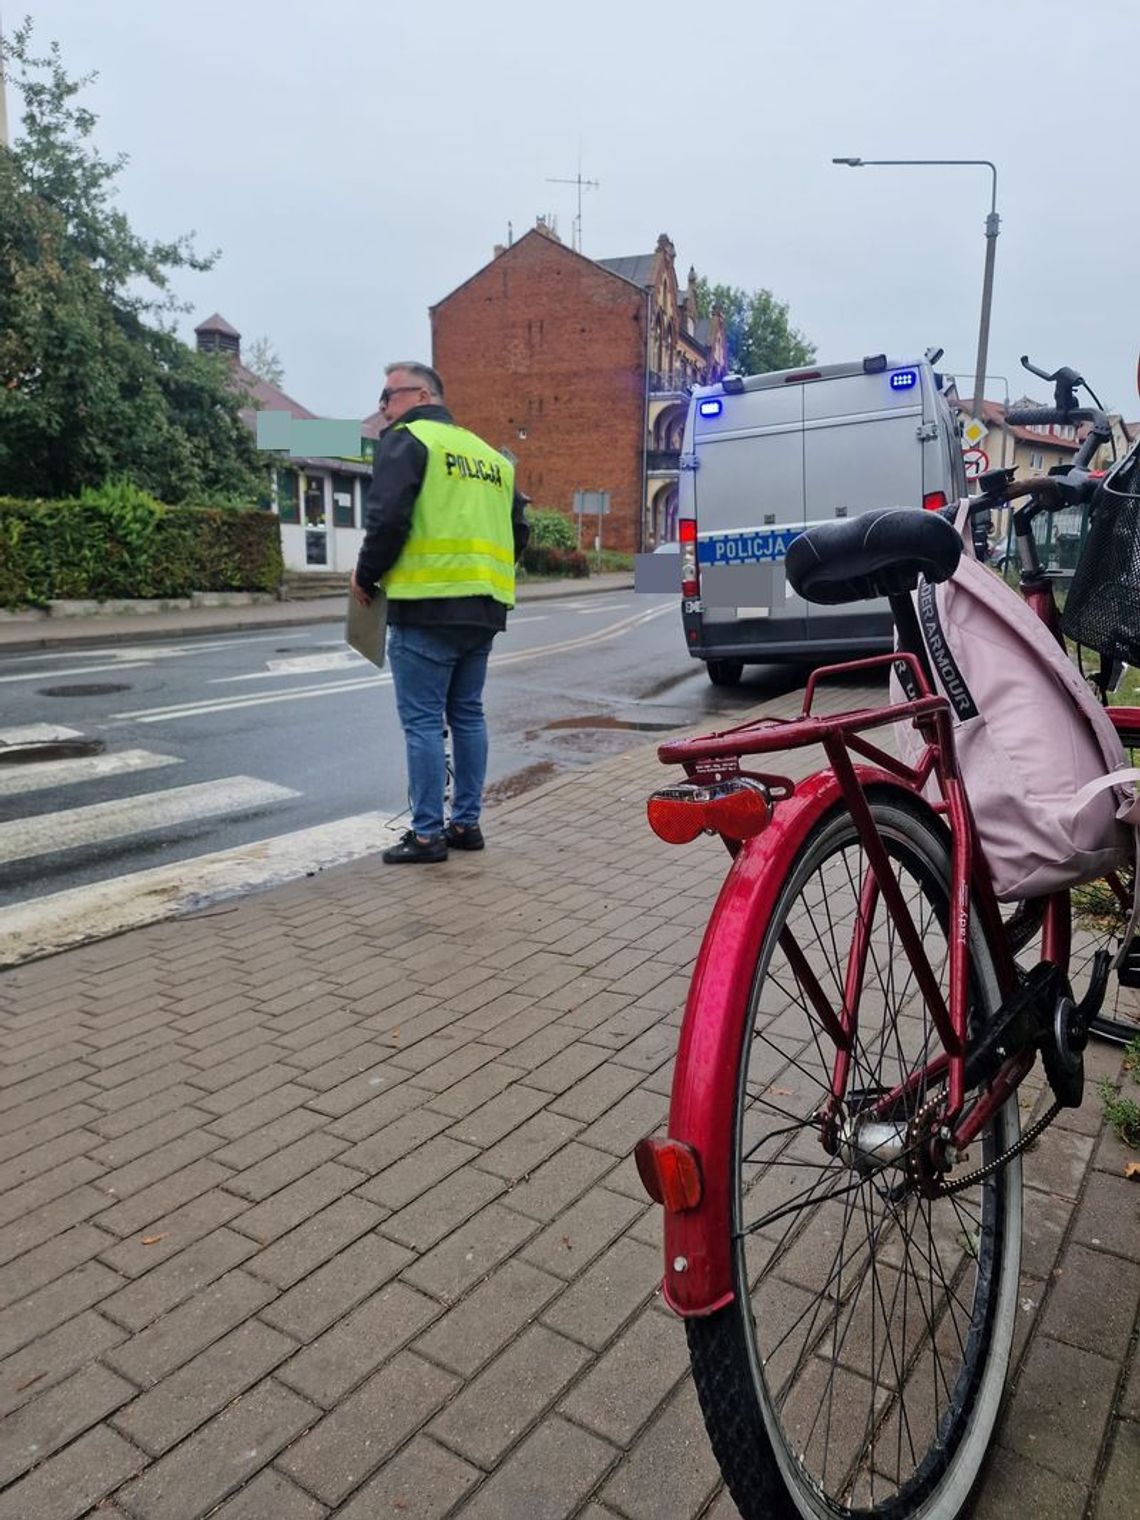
(766, 456)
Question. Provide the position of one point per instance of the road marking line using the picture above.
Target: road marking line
(76, 670)
(305, 664)
(593, 611)
(15, 780)
(45, 833)
(337, 688)
(144, 652)
(35, 733)
(59, 920)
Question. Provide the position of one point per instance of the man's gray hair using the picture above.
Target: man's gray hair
(424, 373)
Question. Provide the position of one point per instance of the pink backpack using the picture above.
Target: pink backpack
(1044, 770)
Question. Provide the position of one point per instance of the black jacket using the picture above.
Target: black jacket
(399, 462)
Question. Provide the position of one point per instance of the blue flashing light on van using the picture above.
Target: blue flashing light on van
(904, 379)
(711, 408)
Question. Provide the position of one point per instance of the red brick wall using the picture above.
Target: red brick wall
(545, 340)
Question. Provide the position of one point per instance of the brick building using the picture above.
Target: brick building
(578, 369)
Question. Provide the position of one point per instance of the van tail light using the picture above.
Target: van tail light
(690, 573)
(736, 809)
(934, 501)
(670, 1173)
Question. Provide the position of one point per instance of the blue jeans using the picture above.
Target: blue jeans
(439, 675)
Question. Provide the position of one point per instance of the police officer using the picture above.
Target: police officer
(444, 526)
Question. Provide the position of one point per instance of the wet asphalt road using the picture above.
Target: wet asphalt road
(570, 682)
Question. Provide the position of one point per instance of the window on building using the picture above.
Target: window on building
(344, 513)
(1036, 459)
(288, 499)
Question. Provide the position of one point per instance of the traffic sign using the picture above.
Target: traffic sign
(591, 503)
(977, 462)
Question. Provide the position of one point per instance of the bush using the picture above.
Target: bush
(538, 560)
(119, 543)
(550, 529)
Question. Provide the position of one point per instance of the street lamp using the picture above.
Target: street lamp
(993, 222)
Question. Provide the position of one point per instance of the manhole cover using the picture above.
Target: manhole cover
(51, 749)
(86, 689)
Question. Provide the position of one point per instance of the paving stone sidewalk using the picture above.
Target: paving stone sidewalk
(321, 1202)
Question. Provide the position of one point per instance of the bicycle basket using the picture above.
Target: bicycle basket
(1102, 610)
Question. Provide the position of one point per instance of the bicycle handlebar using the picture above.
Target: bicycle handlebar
(1038, 416)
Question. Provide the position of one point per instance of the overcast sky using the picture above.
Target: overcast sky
(355, 160)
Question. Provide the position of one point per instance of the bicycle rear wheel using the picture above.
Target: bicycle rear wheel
(1100, 913)
(860, 1368)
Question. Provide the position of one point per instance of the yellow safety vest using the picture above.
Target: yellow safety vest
(461, 542)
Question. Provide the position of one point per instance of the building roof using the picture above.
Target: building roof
(269, 398)
(637, 268)
(217, 324)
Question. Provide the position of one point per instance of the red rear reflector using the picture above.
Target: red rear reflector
(737, 809)
(687, 530)
(807, 374)
(670, 1173)
(673, 820)
(934, 501)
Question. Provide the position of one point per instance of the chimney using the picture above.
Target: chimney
(216, 336)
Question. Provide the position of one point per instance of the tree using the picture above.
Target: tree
(94, 381)
(759, 336)
(263, 360)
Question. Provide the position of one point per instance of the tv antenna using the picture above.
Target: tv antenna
(582, 184)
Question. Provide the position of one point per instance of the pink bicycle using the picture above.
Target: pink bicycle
(841, 1179)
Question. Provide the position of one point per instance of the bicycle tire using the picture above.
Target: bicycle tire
(1099, 919)
(750, 1400)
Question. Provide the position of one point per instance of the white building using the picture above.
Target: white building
(320, 502)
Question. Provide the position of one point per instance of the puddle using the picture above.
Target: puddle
(51, 749)
(85, 689)
(659, 688)
(521, 781)
(603, 720)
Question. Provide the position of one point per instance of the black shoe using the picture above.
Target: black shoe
(469, 838)
(412, 850)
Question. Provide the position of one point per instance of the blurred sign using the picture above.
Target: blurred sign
(591, 503)
(977, 462)
(973, 433)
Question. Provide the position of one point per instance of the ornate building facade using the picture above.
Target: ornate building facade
(579, 369)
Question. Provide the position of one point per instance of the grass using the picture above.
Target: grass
(1121, 1111)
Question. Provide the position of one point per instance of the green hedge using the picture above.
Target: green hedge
(551, 529)
(53, 550)
(542, 561)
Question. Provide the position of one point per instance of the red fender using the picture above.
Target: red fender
(698, 1246)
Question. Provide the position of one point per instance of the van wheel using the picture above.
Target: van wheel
(725, 672)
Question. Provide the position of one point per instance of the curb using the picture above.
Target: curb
(146, 632)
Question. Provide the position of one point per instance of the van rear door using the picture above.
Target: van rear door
(751, 477)
(862, 449)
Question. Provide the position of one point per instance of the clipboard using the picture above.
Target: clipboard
(366, 628)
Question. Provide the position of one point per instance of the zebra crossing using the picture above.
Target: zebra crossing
(36, 920)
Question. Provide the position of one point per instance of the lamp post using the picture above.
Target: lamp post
(993, 222)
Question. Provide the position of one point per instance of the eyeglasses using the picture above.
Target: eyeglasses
(386, 394)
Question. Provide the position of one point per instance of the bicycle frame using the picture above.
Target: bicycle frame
(698, 1275)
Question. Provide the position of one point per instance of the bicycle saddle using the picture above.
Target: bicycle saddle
(879, 553)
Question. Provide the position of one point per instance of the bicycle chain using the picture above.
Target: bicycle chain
(982, 1172)
(946, 1187)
